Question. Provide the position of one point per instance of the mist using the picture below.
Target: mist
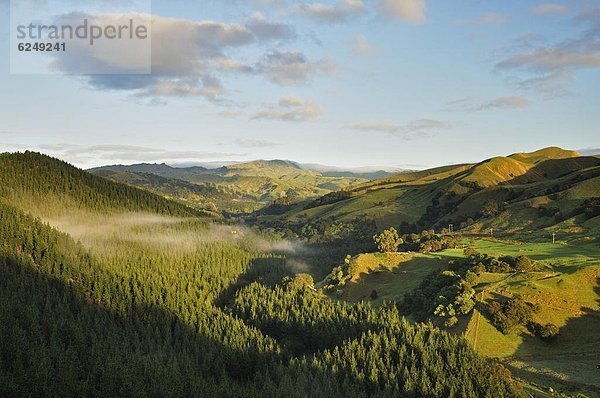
(105, 233)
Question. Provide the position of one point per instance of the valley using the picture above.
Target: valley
(264, 279)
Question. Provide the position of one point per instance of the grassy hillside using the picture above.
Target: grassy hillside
(380, 277)
(236, 188)
(567, 290)
(545, 154)
(495, 171)
(564, 285)
(550, 188)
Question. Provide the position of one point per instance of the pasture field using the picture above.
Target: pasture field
(391, 275)
(567, 290)
(565, 285)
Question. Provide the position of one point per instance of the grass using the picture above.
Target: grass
(567, 289)
(387, 207)
(566, 285)
(391, 275)
(488, 341)
(523, 183)
(495, 171)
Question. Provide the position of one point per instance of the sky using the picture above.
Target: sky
(349, 83)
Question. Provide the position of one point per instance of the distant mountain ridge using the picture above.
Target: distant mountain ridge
(329, 171)
(239, 187)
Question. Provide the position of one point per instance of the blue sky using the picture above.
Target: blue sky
(398, 83)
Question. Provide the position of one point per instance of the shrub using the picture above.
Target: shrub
(548, 332)
(515, 311)
(544, 211)
(469, 251)
(299, 282)
(490, 209)
(523, 264)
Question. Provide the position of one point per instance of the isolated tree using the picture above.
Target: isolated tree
(300, 281)
(523, 264)
(479, 269)
(471, 278)
(388, 241)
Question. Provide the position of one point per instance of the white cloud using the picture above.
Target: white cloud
(416, 127)
(207, 86)
(550, 85)
(570, 55)
(549, 68)
(291, 67)
(189, 58)
(549, 8)
(292, 109)
(329, 13)
(589, 151)
(265, 30)
(477, 104)
(412, 11)
(99, 154)
(230, 114)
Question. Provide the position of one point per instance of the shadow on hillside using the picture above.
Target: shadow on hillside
(322, 257)
(55, 342)
(385, 283)
(554, 169)
(574, 370)
(267, 271)
(296, 340)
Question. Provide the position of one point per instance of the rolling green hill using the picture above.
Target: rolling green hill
(201, 195)
(242, 187)
(545, 154)
(108, 290)
(523, 193)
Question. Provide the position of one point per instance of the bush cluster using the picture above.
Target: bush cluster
(442, 297)
(505, 316)
(480, 262)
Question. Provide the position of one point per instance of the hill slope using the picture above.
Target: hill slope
(545, 154)
(203, 195)
(42, 185)
(514, 194)
(238, 187)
